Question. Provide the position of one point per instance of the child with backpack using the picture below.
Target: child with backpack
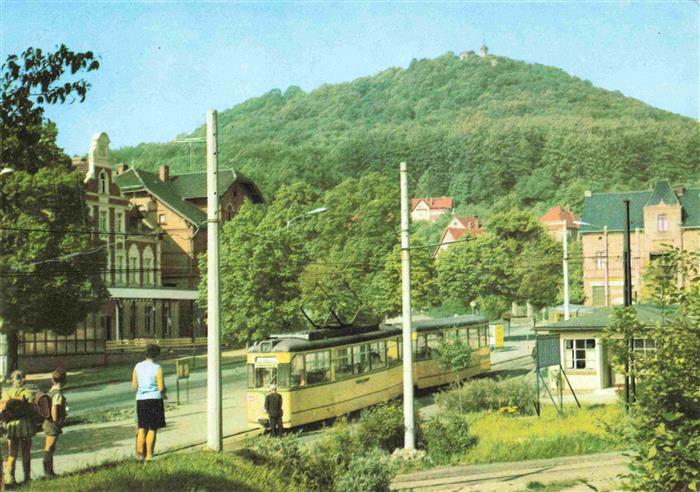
(19, 426)
(57, 416)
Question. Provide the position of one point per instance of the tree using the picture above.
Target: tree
(261, 263)
(50, 268)
(539, 272)
(664, 432)
(424, 283)
(453, 355)
(479, 269)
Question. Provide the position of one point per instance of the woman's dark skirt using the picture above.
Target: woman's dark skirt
(150, 413)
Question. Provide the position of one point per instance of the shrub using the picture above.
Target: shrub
(446, 437)
(382, 427)
(287, 454)
(488, 394)
(368, 472)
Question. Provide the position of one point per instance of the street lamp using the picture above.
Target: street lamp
(606, 286)
(310, 212)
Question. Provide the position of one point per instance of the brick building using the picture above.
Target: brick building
(153, 226)
(660, 218)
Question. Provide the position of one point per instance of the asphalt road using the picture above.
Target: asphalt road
(82, 401)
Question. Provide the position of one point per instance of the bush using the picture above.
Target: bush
(446, 437)
(381, 427)
(368, 472)
(488, 394)
(287, 454)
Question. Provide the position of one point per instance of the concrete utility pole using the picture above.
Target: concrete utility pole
(214, 428)
(607, 267)
(565, 239)
(409, 436)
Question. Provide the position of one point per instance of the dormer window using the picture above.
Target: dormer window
(102, 183)
(662, 222)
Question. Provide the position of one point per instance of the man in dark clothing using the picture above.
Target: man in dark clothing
(273, 407)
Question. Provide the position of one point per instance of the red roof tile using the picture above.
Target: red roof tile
(434, 202)
(559, 214)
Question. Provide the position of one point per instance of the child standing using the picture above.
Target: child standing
(20, 428)
(52, 426)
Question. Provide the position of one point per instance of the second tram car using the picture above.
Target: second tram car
(329, 372)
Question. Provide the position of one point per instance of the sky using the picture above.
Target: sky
(163, 64)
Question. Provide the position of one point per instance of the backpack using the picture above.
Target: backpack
(14, 409)
(41, 406)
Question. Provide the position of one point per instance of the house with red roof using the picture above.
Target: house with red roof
(456, 229)
(557, 219)
(430, 209)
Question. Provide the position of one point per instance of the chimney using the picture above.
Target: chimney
(121, 168)
(164, 173)
(679, 190)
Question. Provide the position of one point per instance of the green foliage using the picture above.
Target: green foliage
(370, 471)
(51, 277)
(446, 437)
(198, 470)
(665, 431)
(477, 131)
(490, 394)
(30, 80)
(382, 427)
(452, 354)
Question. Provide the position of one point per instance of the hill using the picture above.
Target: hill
(480, 130)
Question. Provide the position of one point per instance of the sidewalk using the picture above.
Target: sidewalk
(599, 472)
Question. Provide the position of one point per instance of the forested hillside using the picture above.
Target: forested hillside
(480, 130)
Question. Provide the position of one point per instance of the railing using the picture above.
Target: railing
(140, 344)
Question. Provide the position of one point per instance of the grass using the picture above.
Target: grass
(195, 471)
(580, 431)
(122, 372)
(551, 486)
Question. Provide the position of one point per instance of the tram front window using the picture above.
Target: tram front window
(265, 376)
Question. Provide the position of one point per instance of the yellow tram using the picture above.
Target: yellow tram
(329, 372)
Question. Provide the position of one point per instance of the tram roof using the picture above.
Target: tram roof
(334, 337)
(451, 322)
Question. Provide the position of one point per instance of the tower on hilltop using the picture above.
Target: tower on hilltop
(484, 51)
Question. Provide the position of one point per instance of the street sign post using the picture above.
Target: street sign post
(182, 371)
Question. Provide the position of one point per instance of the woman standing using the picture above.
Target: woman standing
(20, 428)
(147, 381)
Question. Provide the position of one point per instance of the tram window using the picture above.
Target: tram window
(360, 359)
(473, 337)
(265, 376)
(392, 351)
(434, 341)
(296, 378)
(462, 334)
(378, 354)
(343, 362)
(283, 375)
(318, 367)
(421, 348)
(251, 376)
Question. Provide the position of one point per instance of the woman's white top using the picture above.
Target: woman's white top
(146, 372)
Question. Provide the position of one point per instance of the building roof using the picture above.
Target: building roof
(467, 222)
(606, 209)
(434, 202)
(175, 192)
(135, 180)
(601, 318)
(558, 214)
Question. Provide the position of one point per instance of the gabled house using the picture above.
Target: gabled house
(660, 217)
(177, 203)
(152, 226)
(455, 229)
(430, 209)
(557, 219)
